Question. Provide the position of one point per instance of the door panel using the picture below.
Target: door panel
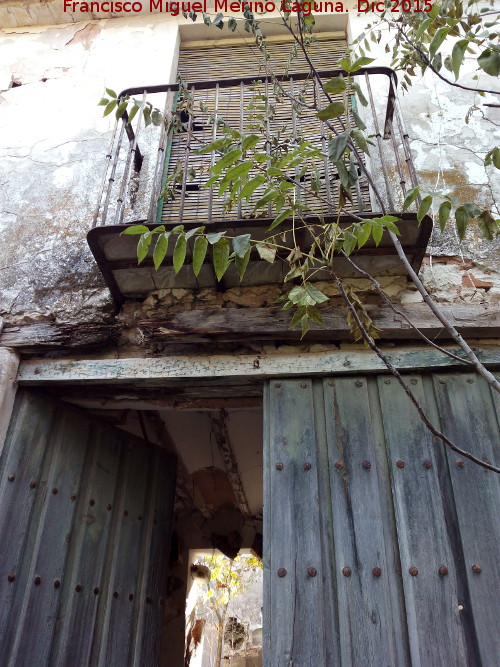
(85, 525)
(390, 523)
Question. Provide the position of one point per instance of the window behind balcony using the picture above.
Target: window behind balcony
(238, 105)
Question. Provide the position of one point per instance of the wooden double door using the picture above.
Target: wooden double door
(85, 519)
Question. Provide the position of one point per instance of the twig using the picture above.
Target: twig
(369, 341)
(403, 315)
(480, 368)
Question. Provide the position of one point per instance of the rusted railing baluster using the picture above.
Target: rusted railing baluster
(379, 144)
(352, 164)
(268, 136)
(406, 145)
(326, 161)
(112, 174)
(186, 162)
(160, 162)
(240, 203)
(212, 154)
(109, 157)
(120, 210)
(402, 181)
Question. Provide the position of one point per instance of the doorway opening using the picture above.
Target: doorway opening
(224, 610)
(217, 512)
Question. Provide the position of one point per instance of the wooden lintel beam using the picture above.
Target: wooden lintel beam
(251, 324)
(191, 368)
(478, 320)
(52, 335)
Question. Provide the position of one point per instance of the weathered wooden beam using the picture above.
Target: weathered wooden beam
(234, 324)
(206, 404)
(244, 366)
(273, 323)
(52, 335)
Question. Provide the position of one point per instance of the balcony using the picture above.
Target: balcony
(140, 160)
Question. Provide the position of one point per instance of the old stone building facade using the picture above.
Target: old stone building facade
(213, 375)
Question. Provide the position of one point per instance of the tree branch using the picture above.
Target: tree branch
(369, 341)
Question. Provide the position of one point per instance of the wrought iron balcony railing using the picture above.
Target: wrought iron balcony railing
(141, 159)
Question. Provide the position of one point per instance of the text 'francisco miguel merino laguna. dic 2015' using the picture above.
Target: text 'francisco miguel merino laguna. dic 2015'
(226, 6)
(237, 7)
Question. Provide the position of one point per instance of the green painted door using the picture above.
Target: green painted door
(381, 547)
(85, 518)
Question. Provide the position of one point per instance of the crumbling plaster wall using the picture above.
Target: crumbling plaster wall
(52, 151)
(53, 146)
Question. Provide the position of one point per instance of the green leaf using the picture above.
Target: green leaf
(358, 121)
(343, 174)
(232, 24)
(226, 161)
(241, 244)
(335, 86)
(337, 146)
(437, 40)
(160, 249)
(132, 113)
(247, 190)
(462, 220)
(136, 229)
(457, 56)
(156, 117)
(239, 171)
(268, 196)
(410, 197)
(297, 316)
(425, 205)
(444, 214)
(493, 157)
(362, 99)
(242, 263)
(216, 145)
(179, 252)
(266, 252)
(314, 315)
(103, 102)
(111, 92)
(349, 243)
(360, 140)
(143, 246)
(361, 62)
(121, 109)
(488, 225)
(109, 108)
(315, 294)
(214, 237)
(345, 64)
(363, 233)
(220, 257)
(199, 253)
(285, 213)
(333, 110)
(423, 27)
(250, 142)
(489, 62)
(472, 210)
(377, 231)
(192, 232)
